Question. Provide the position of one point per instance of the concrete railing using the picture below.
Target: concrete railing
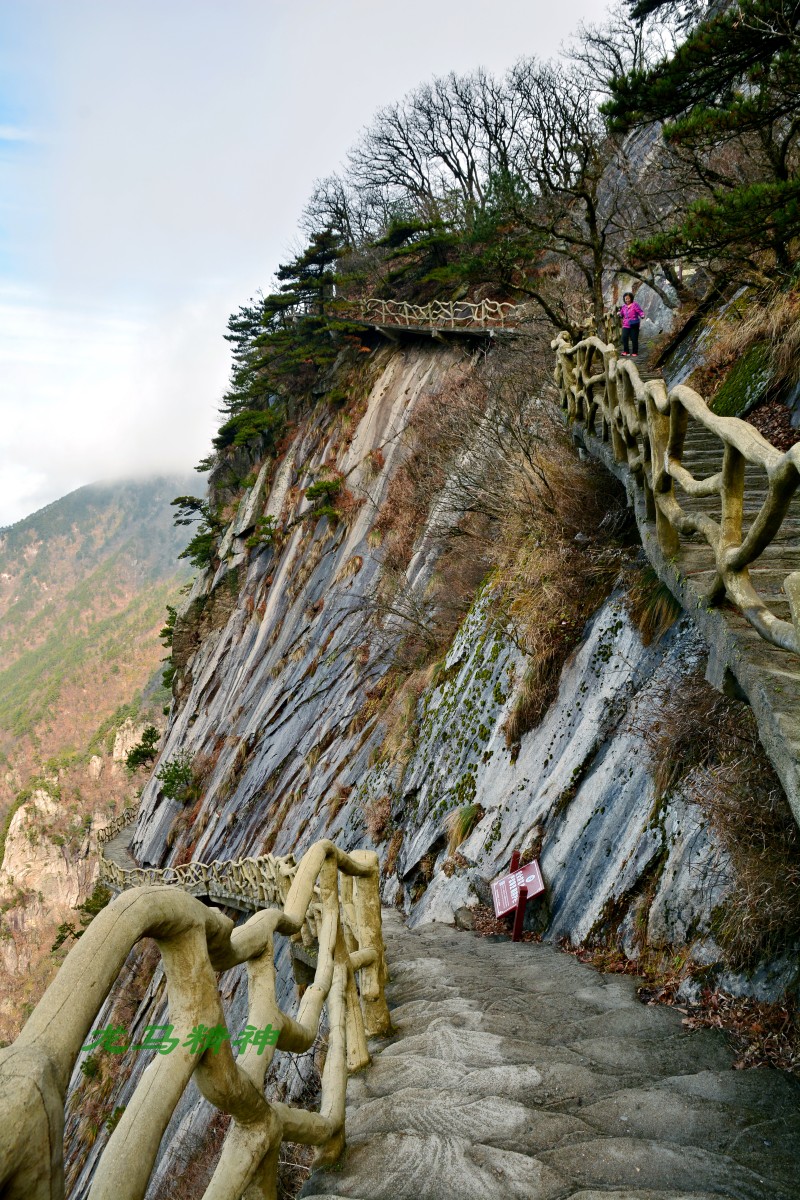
(118, 823)
(441, 314)
(247, 883)
(196, 942)
(646, 426)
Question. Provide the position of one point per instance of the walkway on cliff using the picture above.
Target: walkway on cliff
(718, 511)
(518, 1072)
(440, 320)
(118, 848)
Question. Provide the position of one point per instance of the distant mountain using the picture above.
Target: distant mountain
(84, 585)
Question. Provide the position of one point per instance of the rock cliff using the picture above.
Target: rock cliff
(288, 705)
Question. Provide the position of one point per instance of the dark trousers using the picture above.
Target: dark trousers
(632, 333)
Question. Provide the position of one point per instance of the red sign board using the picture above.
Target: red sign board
(505, 890)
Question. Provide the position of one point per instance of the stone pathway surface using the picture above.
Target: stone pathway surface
(118, 849)
(518, 1072)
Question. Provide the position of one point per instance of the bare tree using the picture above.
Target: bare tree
(561, 155)
(622, 44)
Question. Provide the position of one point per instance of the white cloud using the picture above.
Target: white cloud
(86, 395)
(174, 146)
(12, 133)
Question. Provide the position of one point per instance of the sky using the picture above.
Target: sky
(155, 156)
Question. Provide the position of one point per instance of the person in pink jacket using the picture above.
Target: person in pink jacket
(631, 317)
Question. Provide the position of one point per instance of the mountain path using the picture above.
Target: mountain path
(517, 1071)
(117, 850)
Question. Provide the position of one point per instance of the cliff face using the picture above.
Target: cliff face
(283, 663)
(284, 660)
(47, 871)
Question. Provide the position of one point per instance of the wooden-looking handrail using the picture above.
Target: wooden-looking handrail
(646, 425)
(195, 942)
(440, 314)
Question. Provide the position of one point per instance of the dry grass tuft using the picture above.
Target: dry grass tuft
(312, 758)
(299, 652)
(377, 818)
(709, 743)
(392, 854)
(374, 463)
(294, 1168)
(652, 606)
(349, 568)
(199, 1165)
(336, 802)
(400, 715)
(460, 823)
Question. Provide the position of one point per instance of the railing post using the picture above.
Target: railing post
(791, 586)
(367, 903)
(663, 483)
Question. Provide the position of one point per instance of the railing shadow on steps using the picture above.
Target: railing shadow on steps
(195, 942)
(646, 427)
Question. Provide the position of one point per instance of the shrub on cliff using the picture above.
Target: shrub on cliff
(144, 751)
(177, 778)
(202, 548)
(248, 426)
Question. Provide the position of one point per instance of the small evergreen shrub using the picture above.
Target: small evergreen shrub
(89, 909)
(168, 630)
(90, 1067)
(248, 426)
(145, 750)
(266, 533)
(322, 496)
(176, 778)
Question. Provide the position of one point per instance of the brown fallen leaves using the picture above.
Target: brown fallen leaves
(486, 924)
(761, 1034)
(773, 421)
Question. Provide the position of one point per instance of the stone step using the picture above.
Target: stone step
(517, 1071)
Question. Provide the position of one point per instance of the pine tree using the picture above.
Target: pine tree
(281, 343)
(728, 99)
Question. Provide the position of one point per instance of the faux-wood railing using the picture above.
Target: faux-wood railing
(646, 426)
(441, 314)
(195, 942)
(260, 882)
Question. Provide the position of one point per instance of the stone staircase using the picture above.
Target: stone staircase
(118, 848)
(517, 1072)
(743, 661)
(740, 659)
(643, 362)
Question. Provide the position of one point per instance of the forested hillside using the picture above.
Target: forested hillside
(84, 589)
(84, 585)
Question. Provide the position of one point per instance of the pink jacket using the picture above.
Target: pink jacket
(631, 314)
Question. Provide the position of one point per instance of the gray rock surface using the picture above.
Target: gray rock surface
(516, 1071)
(279, 668)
